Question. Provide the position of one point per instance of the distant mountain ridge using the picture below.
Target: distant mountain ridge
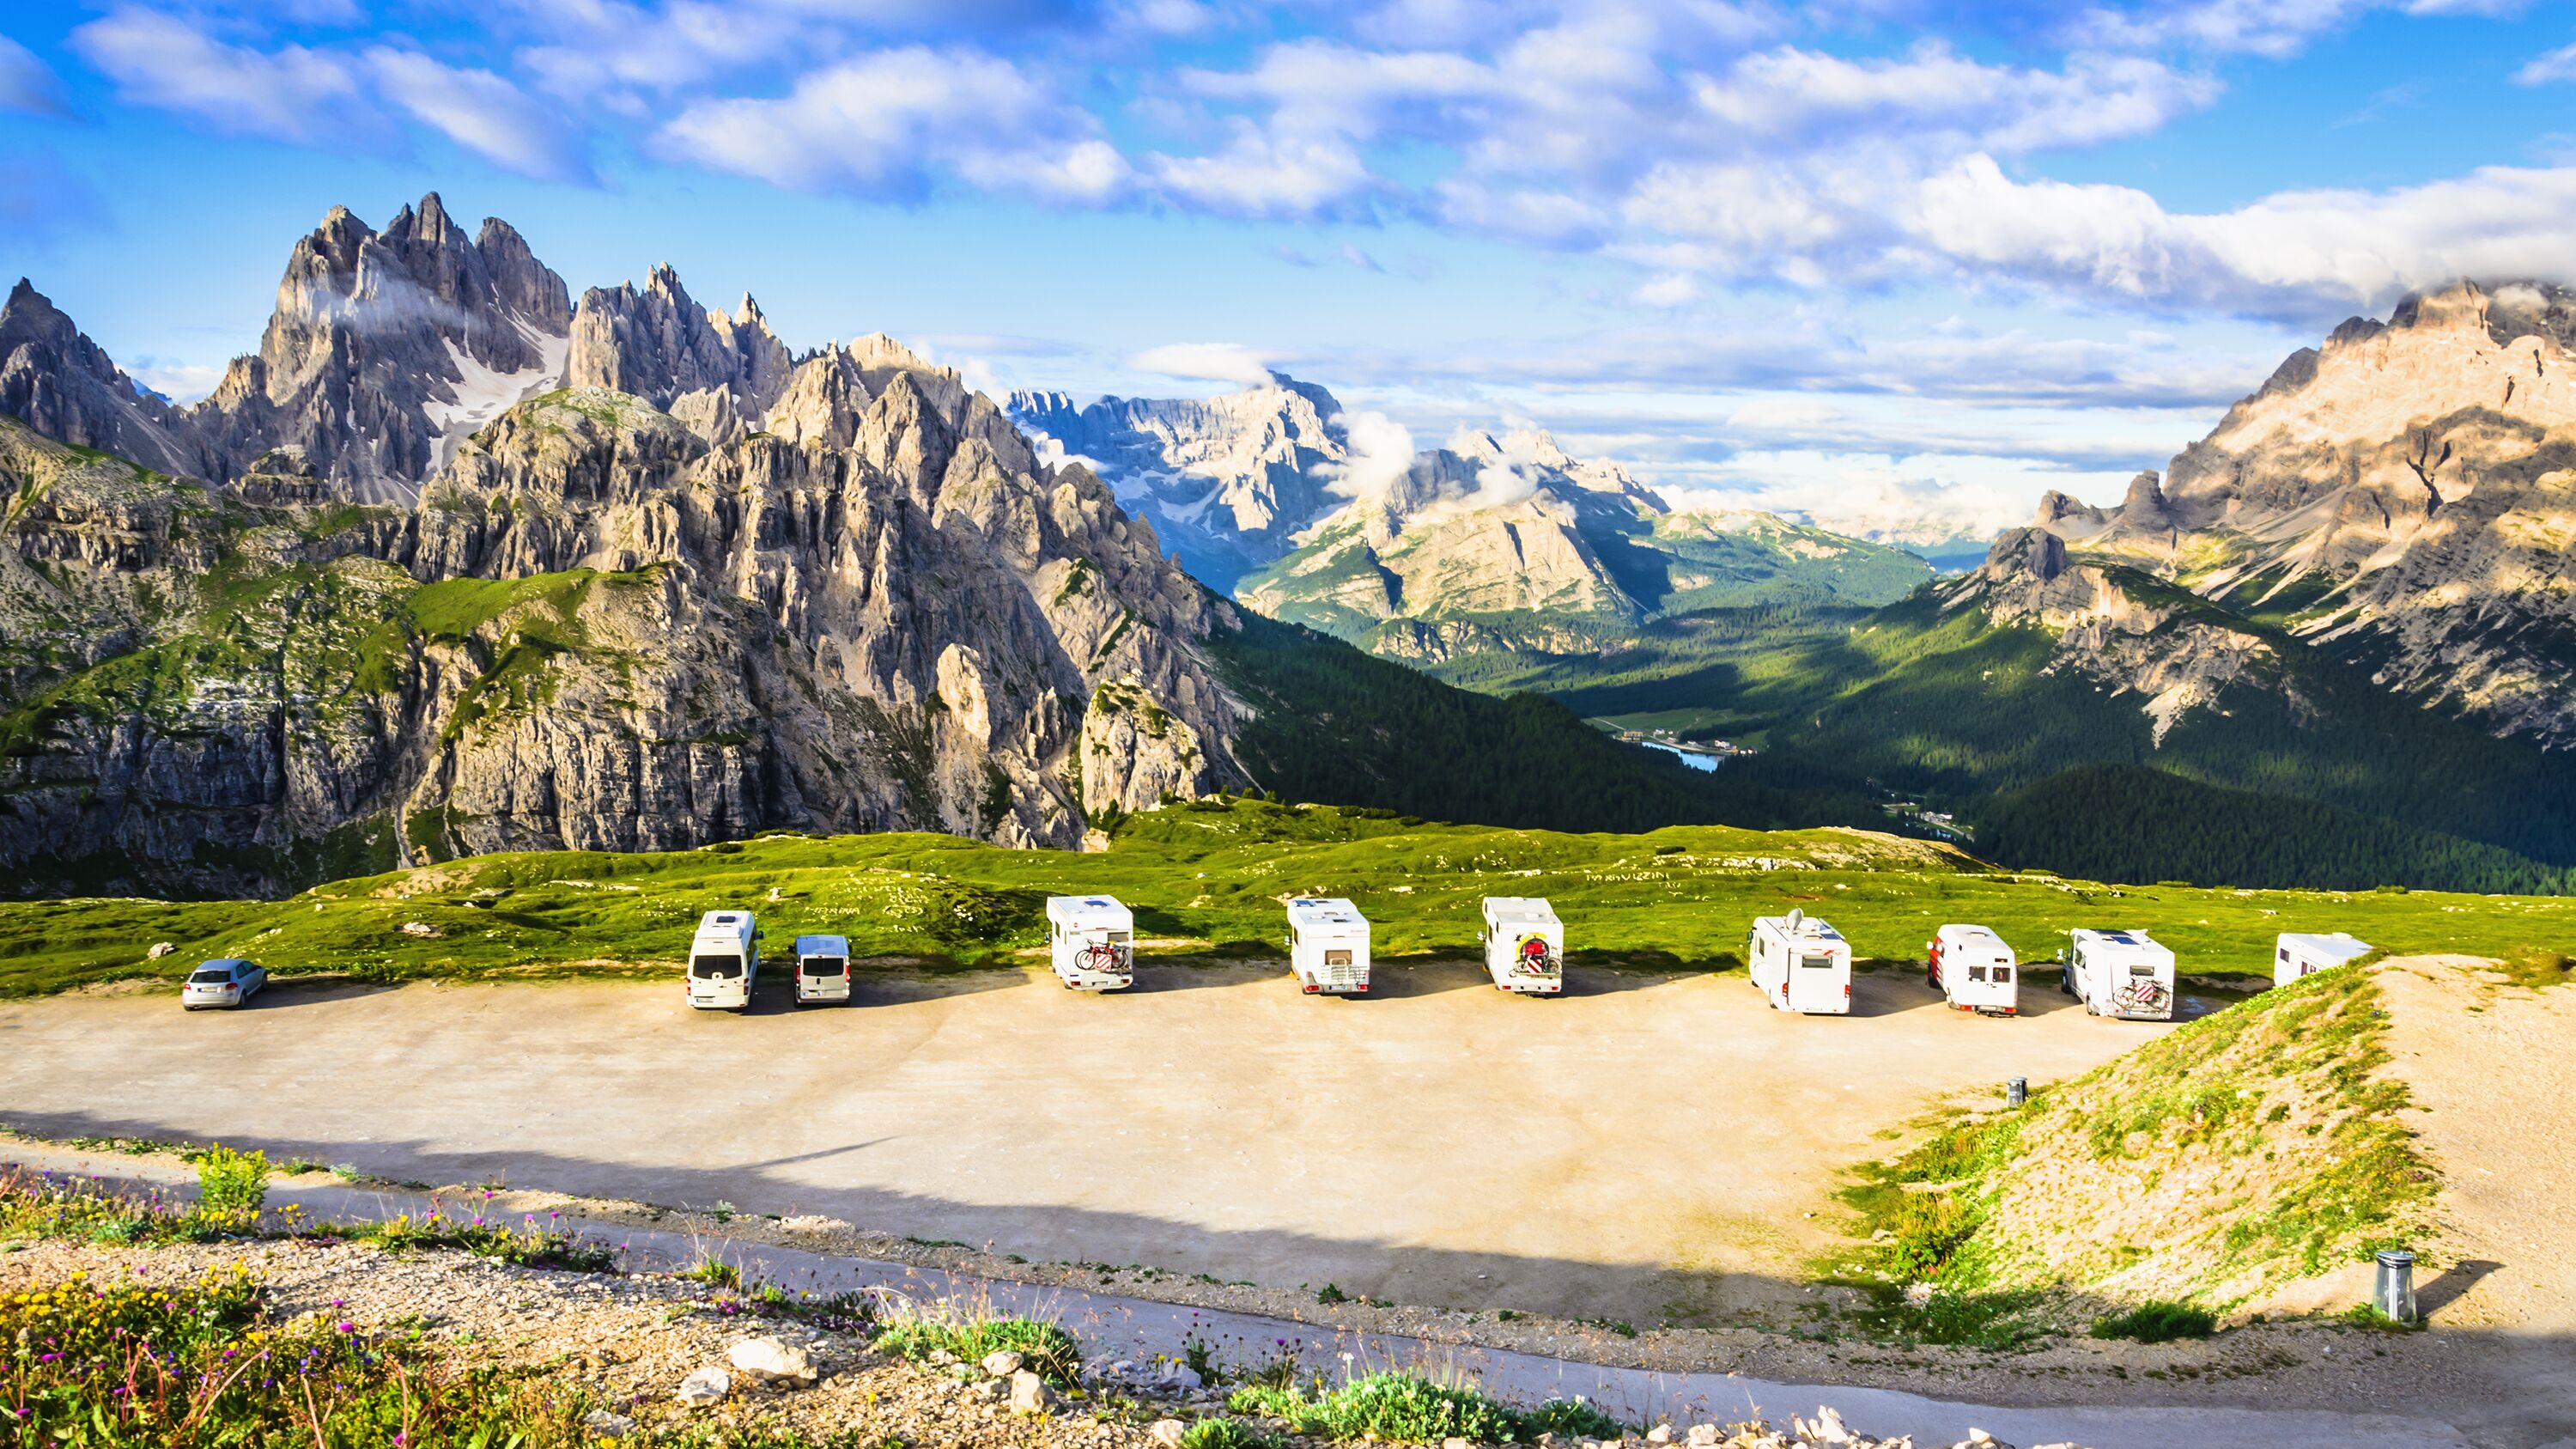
(1493, 543)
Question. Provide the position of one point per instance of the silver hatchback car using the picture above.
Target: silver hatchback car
(226, 981)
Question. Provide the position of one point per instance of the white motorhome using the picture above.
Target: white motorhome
(724, 960)
(2120, 973)
(1328, 946)
(1973, 970)
(822, 968)
(1091, 942)
(1524, 945)
(2296, 954)
(1800, 964)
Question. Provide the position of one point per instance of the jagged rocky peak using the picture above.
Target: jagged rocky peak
(387, 348)
(62, 384)
(659, 344)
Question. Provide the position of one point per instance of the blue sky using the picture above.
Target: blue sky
(1878, 259)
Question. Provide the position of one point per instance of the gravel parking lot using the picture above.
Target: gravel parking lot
(1648, 1148)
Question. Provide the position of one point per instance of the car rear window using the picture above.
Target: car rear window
(826, 965)
(716, 968)
(216, 977)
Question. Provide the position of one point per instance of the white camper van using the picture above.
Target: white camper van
(1973, 970)
(822, 968)
(1524, 945)
(2296, 954)
(1091, 942)
(2120, 973)
(1800, 964)
(1328, 946)
(724, 960)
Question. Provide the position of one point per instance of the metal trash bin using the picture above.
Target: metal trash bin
(2016, 1091)
(2394, 1293)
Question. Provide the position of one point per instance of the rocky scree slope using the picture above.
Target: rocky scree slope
(597, 629)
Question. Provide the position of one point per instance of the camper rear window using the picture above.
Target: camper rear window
(825, 965)
(2003, 974)
(1337, 958)
(1817, 963)
(2142, 971)
(716, 968)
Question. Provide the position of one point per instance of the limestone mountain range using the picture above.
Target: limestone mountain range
(450, 566)
(2401, 499)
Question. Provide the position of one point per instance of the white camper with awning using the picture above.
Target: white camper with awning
(1328, 946)
(2120, 973)
(1091, 942)
(1524, 945)
(1800, 964)
(2296, 954)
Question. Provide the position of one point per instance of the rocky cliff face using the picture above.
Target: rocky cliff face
(660, 345)
(1226, 481)
(2403, 496)
(596, 628)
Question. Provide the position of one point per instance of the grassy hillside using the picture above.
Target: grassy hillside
(1207, 879)
(2238, 1153)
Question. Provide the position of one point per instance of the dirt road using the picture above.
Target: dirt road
(1648, 1148)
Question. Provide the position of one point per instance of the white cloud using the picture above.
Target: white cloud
(2296, 251)
(291, 94)
(2550, 68)
(1259, 175)
(1205, 362)
(479, 111)
(1790, 93)
(28, 84)
(888, 121)
(1381, 454)
(1672, 289)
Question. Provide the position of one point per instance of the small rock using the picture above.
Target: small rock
(159, 950)
(607, 1425)
(941, 1358)
(1001, 1363)
(1456, 1442)
(1660, 1434)
(1167, 1432)
(1030, 1395)
(703, 1387)
(1829, 1427)
(1703, 1434)
(1179, 1377)
(989, 1388)
(418, 928)
(773, 1360)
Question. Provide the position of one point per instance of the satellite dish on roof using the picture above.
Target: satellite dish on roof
(1797, 918)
